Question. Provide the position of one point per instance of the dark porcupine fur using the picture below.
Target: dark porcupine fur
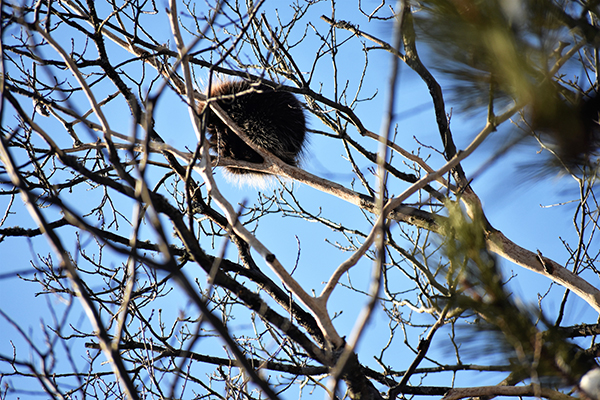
(273, 120)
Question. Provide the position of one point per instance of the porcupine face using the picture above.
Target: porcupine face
(273, 120)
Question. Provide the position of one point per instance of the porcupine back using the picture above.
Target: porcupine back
(273, 120)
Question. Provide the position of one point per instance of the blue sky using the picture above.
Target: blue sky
(513, 204)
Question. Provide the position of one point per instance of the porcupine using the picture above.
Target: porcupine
(272, 119)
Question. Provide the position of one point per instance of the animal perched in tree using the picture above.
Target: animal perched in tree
(272, 119)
